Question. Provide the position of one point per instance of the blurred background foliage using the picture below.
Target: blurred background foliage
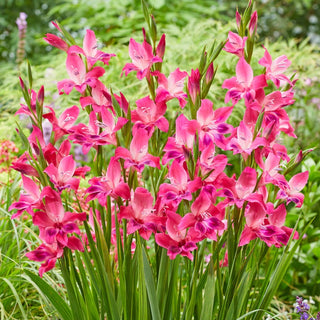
(285, 27)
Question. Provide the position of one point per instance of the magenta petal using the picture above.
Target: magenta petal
(122, 153)
(164, 240)
(246, 182)
(50, 235)
(122, 190)
(298, 181)
(162, 124)
(187, 221)
(75, 68)
(47, 266)
(75, 244)
(201, 204)
(244, 73)
(65, 85)
(246, 236)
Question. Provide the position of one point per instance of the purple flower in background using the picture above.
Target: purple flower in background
(22, 21)
(302, 308)
(22, 26)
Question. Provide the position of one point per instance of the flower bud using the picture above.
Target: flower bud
(56, 42)
(194, 85)
(209, 73)
(21, 83)
(40, 96)
(161, 46)
(253, 23)
(238, 20)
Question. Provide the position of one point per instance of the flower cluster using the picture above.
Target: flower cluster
(188, 196)
(302, 308)
(7, 155)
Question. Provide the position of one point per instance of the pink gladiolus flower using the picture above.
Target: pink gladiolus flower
(110, 184)
(235, 44)
(91, 135)
(275, 68)
(181, 146)
(212, 126)
(29, 200)
(271, 168)
(138, 156)
(100, 97)
(90, 50)
(244, 143)
(47, 253)
(23, 166)
(177, 241)
(270, 230)
(209, 163)
(244, 85)
(139, 212)
(142, 59)
(203, 217)
(148, 115)
(237, 192)
(62, 125)
(180, 188)
(255, 215)
(290, 191)
(25, 109)
(79, 78)
(55, 224)
(171, 87)
(62, 177)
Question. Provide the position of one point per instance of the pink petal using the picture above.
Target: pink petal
(277, 216)
(31, 187)
(205, 112)
(298, 181)
(75, 244)
(244, 73)
(187, 221)
(201, 204)
(246, 182)
(90, 43)
(75, 68)
(66, 168)
(65, 85)
(139, 145)
(142, 201)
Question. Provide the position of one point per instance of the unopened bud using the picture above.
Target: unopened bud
(56, 42)
(238, 20)
(40, 96)
(299, 157)
(209, 73)
(161, 46)
(21, 83)
(56, 25)
(194, 85)
(253, 23)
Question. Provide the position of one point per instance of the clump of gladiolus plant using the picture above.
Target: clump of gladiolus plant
(154, 227)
